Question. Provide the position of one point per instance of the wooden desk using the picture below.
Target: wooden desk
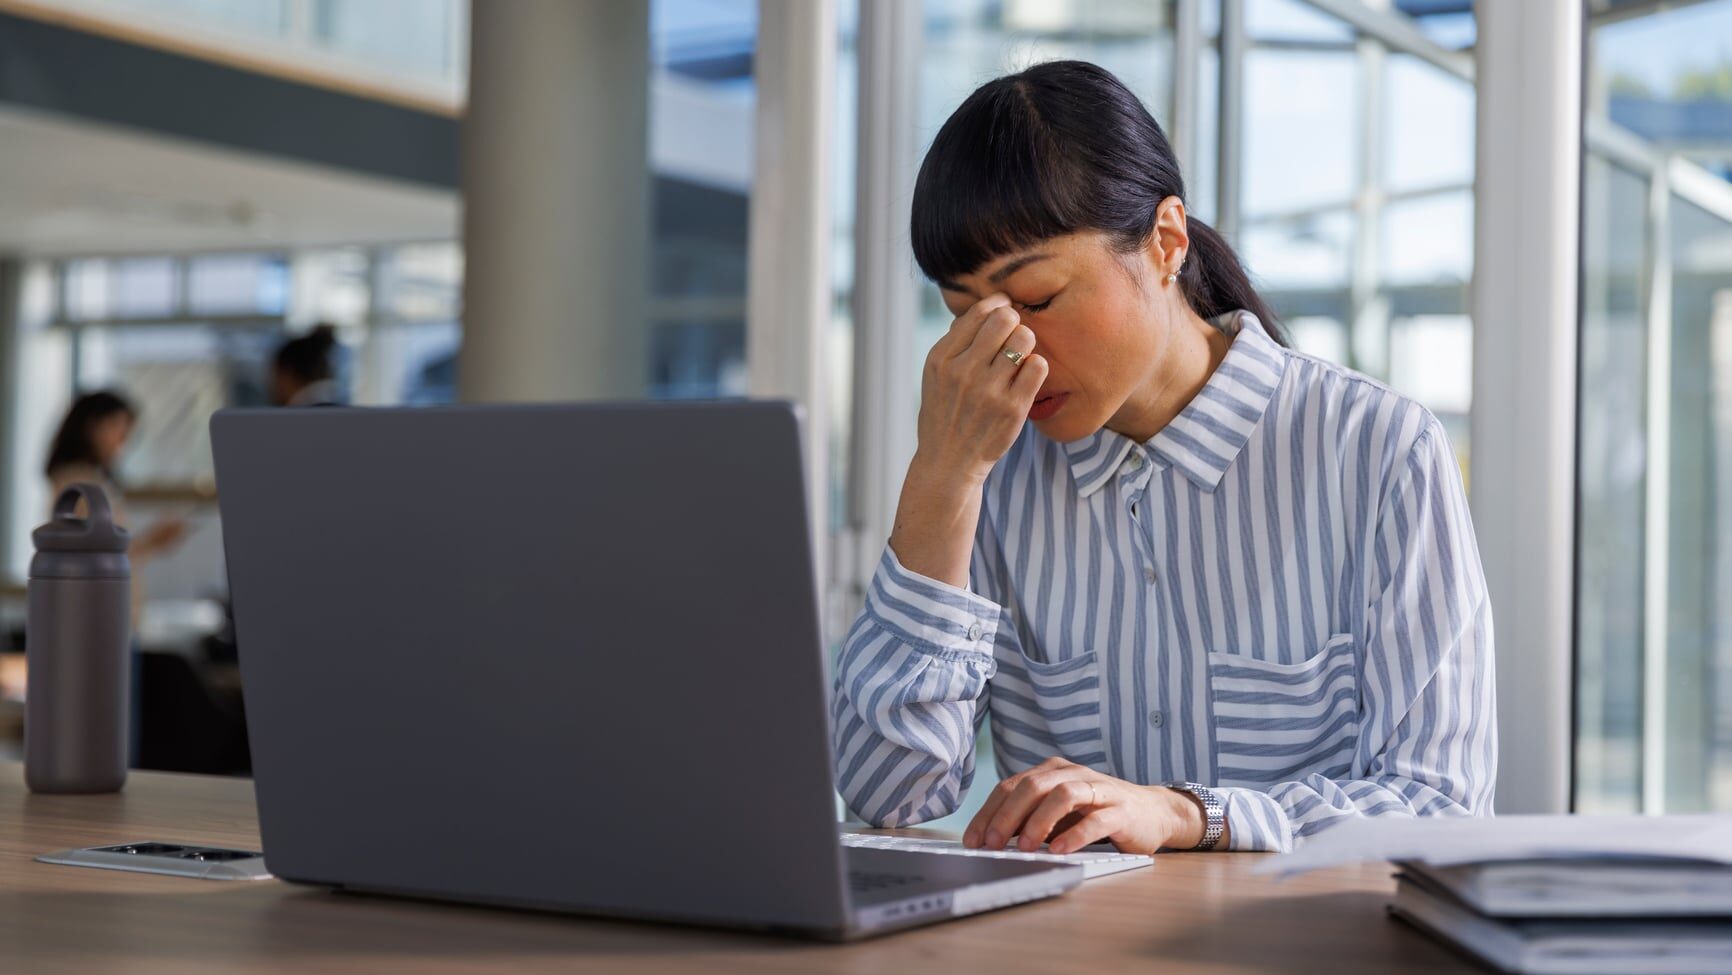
(1189, 913)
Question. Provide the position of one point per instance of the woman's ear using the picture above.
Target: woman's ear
(1171, 240)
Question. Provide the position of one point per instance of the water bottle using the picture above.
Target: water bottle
(78, 641)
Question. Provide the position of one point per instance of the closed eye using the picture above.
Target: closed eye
(1040, 307)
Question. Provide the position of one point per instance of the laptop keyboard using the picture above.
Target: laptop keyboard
(1095, 863)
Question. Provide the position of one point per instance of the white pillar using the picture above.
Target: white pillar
(1527, 210)
(886, 392)
(556, 201)
(788, 285)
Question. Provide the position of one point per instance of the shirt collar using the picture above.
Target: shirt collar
(1208, 434)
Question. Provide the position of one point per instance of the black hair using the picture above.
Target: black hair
(1059, 148)
(72, 442)
(308, 357)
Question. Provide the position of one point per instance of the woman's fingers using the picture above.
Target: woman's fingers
(1020, 341)
(964, 327)
(1092, 828)
(1025, 385)
(1013, 812)
(975, 834)
(1071, 795)
(994, 332)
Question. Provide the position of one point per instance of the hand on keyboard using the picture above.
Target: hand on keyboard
(1074, 806)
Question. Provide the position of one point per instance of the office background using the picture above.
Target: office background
(701, 198)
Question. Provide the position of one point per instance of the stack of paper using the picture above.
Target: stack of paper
(1555, 894)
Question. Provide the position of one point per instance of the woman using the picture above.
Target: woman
(301, 370)
(86, 449)
(1214, 594)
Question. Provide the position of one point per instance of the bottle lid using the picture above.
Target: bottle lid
(95, 532)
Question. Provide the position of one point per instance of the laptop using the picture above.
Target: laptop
(564, 658)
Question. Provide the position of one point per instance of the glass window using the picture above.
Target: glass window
(95, 289)
(1698, 636)
(421, 282)
(1667, 77)
(1654, 543)
(331, 285)
(1291, 20)
(1312, 250)
(413, 36)
(264, 17)
(1612, 465)
(1357, 202)
(237, 284)
(1429, 240)
(1428, 126)
(702, 106)
(1301, 130)
(84, 285)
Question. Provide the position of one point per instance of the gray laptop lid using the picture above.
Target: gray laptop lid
(562, 656)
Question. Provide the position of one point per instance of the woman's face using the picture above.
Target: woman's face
(108, 435)
(1098, 316)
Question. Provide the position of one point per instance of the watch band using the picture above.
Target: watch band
(1214, 811)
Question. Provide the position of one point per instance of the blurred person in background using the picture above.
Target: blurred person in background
(87, 449)
(302, 373)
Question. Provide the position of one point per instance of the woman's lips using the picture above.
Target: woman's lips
(1046, 405)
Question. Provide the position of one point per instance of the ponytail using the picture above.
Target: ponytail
(1215, 282)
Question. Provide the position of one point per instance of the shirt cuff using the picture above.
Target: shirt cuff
(1255, 821)
(928, 614)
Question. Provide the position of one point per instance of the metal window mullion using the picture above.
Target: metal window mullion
(1656, 494)
(1368, 316)
(1398, 32)
(1230, 132)
(1187, 68)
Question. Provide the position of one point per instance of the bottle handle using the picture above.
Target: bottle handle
(95, 501)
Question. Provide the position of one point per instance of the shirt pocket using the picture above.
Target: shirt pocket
(1277, 722)
(1042, 709)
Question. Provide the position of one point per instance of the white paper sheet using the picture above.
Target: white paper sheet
(1450, 840)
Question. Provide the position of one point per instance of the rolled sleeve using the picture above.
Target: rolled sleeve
(911, 686)
(928, 614)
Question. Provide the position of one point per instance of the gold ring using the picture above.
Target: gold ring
(1094, 798)
(1014, 356)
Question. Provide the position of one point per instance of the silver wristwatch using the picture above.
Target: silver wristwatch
(1214, 811)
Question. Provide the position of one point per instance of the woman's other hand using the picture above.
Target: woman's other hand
(159, 538)
(1069, 806)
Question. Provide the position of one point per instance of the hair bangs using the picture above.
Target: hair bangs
(994, 182)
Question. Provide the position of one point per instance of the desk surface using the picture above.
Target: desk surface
(1188, 913)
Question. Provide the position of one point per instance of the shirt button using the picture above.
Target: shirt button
(1135, 462)
(1157, 718)
(1149, 575)
(974, 632)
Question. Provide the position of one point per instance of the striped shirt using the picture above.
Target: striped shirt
(1278, 596)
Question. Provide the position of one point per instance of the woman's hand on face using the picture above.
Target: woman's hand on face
(973, 398)
(1070, 806)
